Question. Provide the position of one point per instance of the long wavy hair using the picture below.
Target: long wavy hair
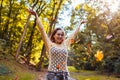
(54, 32)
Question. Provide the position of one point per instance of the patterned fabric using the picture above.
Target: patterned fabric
(58, 60)
(58, 64)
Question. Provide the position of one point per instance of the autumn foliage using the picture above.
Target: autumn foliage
(99, 55)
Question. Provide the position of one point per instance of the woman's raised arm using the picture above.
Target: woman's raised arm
(41, 29)
(72, 36)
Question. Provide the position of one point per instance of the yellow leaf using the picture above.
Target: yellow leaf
(49, 12)
(19, 24)
(5, 2)
(104, 26)
(77, 7)
(89, 9)
(99, 55)
(86, 7)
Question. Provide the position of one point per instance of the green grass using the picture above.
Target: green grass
(23, 73)
(24, 76)
(16, 70)
(89, 75)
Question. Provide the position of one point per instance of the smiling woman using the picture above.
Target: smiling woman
(57, 35)
(57, 47)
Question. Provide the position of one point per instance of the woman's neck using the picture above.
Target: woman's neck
(59, 44)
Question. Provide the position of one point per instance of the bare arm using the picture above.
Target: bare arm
(42, 31)
(73, 34)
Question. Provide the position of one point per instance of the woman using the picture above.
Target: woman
(57, 48)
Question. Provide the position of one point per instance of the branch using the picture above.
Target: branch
(25, 28)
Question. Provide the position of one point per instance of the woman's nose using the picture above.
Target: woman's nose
(60, 35)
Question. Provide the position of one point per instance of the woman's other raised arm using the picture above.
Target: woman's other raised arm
(72, 36)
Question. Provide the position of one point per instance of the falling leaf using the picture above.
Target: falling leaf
(109, 36)
(72, 41)
(99, 55)
(58, 66)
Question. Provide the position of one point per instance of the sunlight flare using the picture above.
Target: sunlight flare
(113, 5)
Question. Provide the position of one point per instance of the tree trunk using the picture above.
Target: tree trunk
(1, 18)
(5, 31)
(29, 46)
(1, 11)
(19, 46)
(25, 28)
(39, 65)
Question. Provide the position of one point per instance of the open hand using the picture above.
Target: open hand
(31, 11)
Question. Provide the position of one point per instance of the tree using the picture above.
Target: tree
(100, 33)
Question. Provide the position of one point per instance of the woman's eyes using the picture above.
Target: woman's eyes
(60, 34)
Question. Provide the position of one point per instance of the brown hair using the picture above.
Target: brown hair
(54, 32)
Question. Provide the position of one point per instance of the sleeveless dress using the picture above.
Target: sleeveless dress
(58, 61)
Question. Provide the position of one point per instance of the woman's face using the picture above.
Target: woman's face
(59, 37)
